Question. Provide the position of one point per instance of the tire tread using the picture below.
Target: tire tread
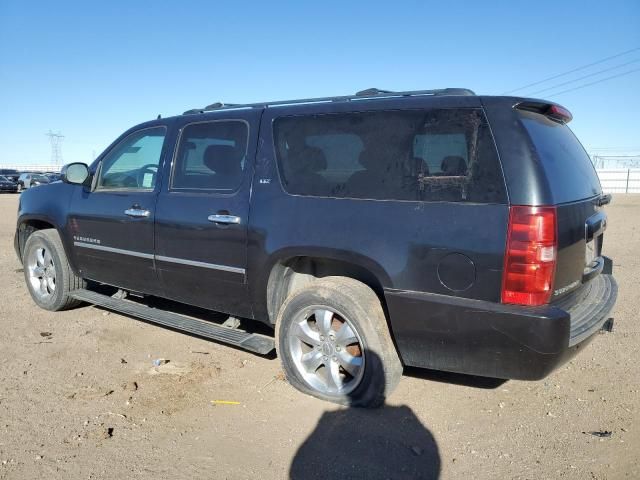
(365, 300)
(70, 280)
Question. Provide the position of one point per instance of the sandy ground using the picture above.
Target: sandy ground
(86, 402)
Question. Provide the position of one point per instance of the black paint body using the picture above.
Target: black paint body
(436, 265)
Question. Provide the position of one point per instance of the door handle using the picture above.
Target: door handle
(227, 219)
(137, 212)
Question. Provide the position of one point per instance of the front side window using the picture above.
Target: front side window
(211, 156)
(134, 162)
(420, 155)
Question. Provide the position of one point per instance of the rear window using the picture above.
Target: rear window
(419, 155)
(567, 166)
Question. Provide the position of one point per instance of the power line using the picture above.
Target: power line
(593, 83)
(573, 70)
(583, 77)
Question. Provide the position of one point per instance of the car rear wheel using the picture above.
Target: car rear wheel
(334, 343)
(47, 272)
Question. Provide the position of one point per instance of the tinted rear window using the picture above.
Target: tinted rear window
(568, 168)
(211, 156)
(420, 155)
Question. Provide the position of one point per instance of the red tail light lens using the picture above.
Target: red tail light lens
(553, 111)
(560, 113)
(530, 261)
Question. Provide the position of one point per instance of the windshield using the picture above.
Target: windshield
(568, 168)
(40, 178)
(3, 179)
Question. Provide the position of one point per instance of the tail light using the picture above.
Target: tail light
(530, 260)
(559, 113)
(553, 111)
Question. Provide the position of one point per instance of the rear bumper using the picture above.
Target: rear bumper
(495, 340)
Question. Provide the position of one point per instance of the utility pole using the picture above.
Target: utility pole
(56, 147)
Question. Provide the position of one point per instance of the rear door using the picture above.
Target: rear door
(203, 211)
(575, 190)
(112, 226)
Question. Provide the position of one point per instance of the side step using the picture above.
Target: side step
(249, 341)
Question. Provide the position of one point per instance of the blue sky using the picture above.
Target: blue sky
(93, 69)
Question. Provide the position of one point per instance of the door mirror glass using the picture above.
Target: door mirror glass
(74, 173)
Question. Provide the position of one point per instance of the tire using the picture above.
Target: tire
(48, 287)
(361, 373)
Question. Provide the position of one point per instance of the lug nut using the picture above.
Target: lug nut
(322, 337)
(335, 359)
(338, 348)
(324, 357)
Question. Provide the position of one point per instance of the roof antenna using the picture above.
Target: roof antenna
(159, 116)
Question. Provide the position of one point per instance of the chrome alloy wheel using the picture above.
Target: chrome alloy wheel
(327, 351)
(42, 273)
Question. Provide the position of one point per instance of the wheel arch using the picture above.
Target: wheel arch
(28, 224)
(297, 269)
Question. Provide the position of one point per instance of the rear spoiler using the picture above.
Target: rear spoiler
(552, 110)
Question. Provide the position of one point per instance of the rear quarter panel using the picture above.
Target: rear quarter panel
(402, 243)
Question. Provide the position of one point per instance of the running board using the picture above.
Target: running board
(253, 342)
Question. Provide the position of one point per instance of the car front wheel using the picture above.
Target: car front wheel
(47, 272)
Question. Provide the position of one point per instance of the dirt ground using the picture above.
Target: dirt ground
(80, 398)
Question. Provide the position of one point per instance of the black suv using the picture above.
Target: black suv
(434, 229)
(10, 174)
(7, 185)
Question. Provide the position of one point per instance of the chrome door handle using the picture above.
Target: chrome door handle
(224, 219)
(137, 212)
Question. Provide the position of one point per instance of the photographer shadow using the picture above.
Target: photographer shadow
(385, 443)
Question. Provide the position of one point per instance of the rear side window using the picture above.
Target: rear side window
(211, 156)
(567, 165)
(419, 155)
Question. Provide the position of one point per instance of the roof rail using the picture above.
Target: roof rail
(361, 95)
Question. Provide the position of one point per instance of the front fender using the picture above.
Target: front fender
(45, 206)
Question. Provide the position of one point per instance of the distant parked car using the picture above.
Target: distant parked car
(28, 180)
(10, 174)
(53, 177)
(6, 185)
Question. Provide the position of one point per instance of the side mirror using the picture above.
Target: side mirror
(74, 173)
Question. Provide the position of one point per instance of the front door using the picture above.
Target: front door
(203, 211)
(112, 225)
